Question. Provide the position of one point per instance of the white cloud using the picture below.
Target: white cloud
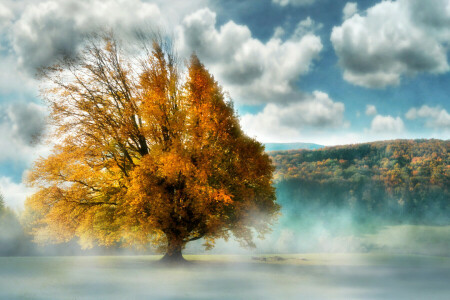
(350, 9)
(435, 117)
(254, 72)
(15, 81)
(47, 30)
(387, 125)
(175, 10)
(41, 30)
(294, 2)
(278, 32)
(371, 110)
(394, 39)
(19, 124)
(15, 194)
(306, 26)
(6, 15)
(288, 122)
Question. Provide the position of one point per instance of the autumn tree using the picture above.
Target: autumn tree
(146, 153)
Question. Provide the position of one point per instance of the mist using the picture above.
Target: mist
(307, 224)
(313, 252)
(338, 237)
(142, 278)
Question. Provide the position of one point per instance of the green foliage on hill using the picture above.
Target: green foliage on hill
(400, 181)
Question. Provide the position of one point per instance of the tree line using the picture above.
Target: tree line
(393, 181)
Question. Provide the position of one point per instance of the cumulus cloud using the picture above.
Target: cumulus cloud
(6, 15)
(393, 39)
(349, 10)
(294, 2)
(175, 10)
(15, 81)
(371, 110)
(27, 121)
(252, 71)
(435, 117)
(51, 29)
(288, 121)
(20, 127)
(387, 125)
(306, 26)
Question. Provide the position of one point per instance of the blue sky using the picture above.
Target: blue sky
(321, 71)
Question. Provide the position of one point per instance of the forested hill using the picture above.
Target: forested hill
(403, 180)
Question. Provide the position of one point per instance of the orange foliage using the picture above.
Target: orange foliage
(146, 154)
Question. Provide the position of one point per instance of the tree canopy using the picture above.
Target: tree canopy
(147, 152)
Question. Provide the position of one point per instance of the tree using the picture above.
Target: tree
(2, 202)
(13, 240)
(146, 154)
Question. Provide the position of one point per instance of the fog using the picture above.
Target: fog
(142, 278)
(313, 252)
(303, 227)
(336, 230)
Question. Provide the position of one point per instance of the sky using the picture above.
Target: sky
(329, 72)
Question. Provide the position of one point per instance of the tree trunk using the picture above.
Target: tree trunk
(174, 257)
(173, 254)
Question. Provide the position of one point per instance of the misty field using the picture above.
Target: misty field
(299, 276)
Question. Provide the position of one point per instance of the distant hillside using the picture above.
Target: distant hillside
(291, 146)
(401, 180)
